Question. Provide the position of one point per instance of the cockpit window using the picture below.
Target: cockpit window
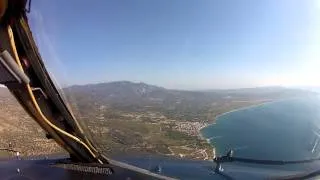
(187, 79)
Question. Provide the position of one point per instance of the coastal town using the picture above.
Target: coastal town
(132, 122)
(190, 128)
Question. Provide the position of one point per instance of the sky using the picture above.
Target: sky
(180, 44)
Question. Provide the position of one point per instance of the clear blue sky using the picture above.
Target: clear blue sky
(184, 44)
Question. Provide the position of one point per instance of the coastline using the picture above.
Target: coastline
(238, 109)
(242, 108)
(208, 140)
(201, 136)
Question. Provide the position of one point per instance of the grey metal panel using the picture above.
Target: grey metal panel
(6, 74)
(14, 67)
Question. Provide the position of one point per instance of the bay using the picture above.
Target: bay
(281, 130)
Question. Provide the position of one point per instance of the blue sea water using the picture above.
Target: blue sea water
(282, 130)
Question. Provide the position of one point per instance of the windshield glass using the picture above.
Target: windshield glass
(188, 79)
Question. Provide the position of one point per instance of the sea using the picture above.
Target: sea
(282, 130)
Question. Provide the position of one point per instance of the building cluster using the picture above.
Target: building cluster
(190, 128)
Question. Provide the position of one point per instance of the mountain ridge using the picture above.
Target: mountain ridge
(134, 118)
(130, 96)
(178, 89)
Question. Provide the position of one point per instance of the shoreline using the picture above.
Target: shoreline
(208, 140)
(201, 136)
(239, 109)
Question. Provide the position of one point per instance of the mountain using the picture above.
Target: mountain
(125, 117)
(123, 92)
(133, 118)
(128, 96)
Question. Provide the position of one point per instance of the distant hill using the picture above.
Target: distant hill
(121, 113)
(129, 96)
(126, 92)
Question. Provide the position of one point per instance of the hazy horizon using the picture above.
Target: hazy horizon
(204, 89)
(182, 44)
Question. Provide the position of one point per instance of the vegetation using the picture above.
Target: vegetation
(135, 118)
